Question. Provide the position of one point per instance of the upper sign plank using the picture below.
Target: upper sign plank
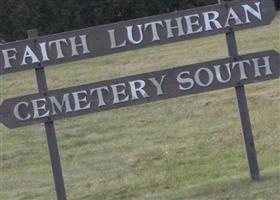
(134, 34)
(139, 89)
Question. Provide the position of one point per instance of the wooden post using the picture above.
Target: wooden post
(243, 110)
(50, 131)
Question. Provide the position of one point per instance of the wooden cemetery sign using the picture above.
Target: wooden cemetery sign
(139, 89)
(134, 34)
(235, 71)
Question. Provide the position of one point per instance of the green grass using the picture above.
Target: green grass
(185, 148)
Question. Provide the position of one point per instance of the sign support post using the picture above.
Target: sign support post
(244, 111)
(50, 130)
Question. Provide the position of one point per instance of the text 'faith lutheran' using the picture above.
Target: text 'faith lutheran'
(124, 36)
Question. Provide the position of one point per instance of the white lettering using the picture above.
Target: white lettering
(101, 101)
(257, 13)
(241, 66)
(37, 108)
(187, 81)
(83, 44)
(58, 47)
(170, 28)
(8, 57)
(43, 47)
(214, 20)
(28, 53)
(157, 84)
(233, 16)
(78, 99)
(117, 94)
(219, 74)
(154, 26)
(56, 105)
(190, 24)
(130, 34)
(135, 89)
(209, 73)
(113, 40)
(266, 66)
(16, 111)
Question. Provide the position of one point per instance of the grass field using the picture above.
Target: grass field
(185, 148)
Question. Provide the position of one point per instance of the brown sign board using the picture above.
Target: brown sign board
(134, 34)
(139, 89)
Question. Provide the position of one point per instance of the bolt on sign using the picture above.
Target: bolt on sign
(235, 71)
(134, 34)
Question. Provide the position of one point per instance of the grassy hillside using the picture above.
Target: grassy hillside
(185, 148)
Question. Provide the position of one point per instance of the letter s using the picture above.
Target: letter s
(185, 83)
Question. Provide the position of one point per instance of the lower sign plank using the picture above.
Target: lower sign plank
(139, 89)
